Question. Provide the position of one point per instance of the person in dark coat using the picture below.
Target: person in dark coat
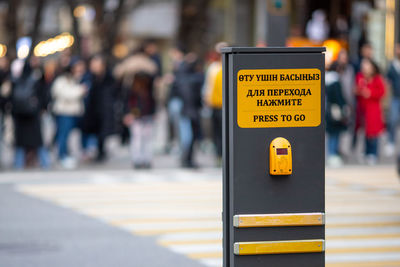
(174, 103)
(5, 86)
(337, 116)
(139, 118)
(393, 76)
(5, 91)
(26, 113)
(151, 48)
(138, 73)
(88, 141)
(188, 85)
(99, 116)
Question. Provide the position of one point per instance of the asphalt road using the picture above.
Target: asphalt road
(172, 217)
(38, 233)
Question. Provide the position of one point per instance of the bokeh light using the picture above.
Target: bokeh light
(333, 48)
(79, 11)
(23, 51)
(53, 45)
(3, 50)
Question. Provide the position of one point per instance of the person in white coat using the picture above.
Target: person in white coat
(317, 28)
(67, 94)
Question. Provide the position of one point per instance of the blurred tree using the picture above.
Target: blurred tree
(99, 19)
(193, 25)
(12, 27)
(107, 24)
(192, 32)
(75, 27)
(112, 28)
(34, 34)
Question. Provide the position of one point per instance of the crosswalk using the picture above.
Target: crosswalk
(182, 210)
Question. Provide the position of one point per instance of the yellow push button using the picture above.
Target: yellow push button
(280, 157)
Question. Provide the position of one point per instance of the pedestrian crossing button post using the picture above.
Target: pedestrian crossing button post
(274, 167)
(280, 157)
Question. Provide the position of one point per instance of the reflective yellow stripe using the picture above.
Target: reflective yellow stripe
(170, 231)
(363, 250)
(362, 224)
(274, 220)
(366, 236)
(279, 247)
(365, 264)
(163, 220)
(204, 255)
(190, 242)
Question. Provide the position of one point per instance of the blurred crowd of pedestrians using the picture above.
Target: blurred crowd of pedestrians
(364, 102)
(99, 100)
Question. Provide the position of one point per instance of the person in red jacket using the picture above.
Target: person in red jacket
(370, 89)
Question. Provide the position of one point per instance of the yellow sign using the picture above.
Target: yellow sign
(269, 98)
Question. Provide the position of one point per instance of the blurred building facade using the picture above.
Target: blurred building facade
(353, 22)
(241, 23)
